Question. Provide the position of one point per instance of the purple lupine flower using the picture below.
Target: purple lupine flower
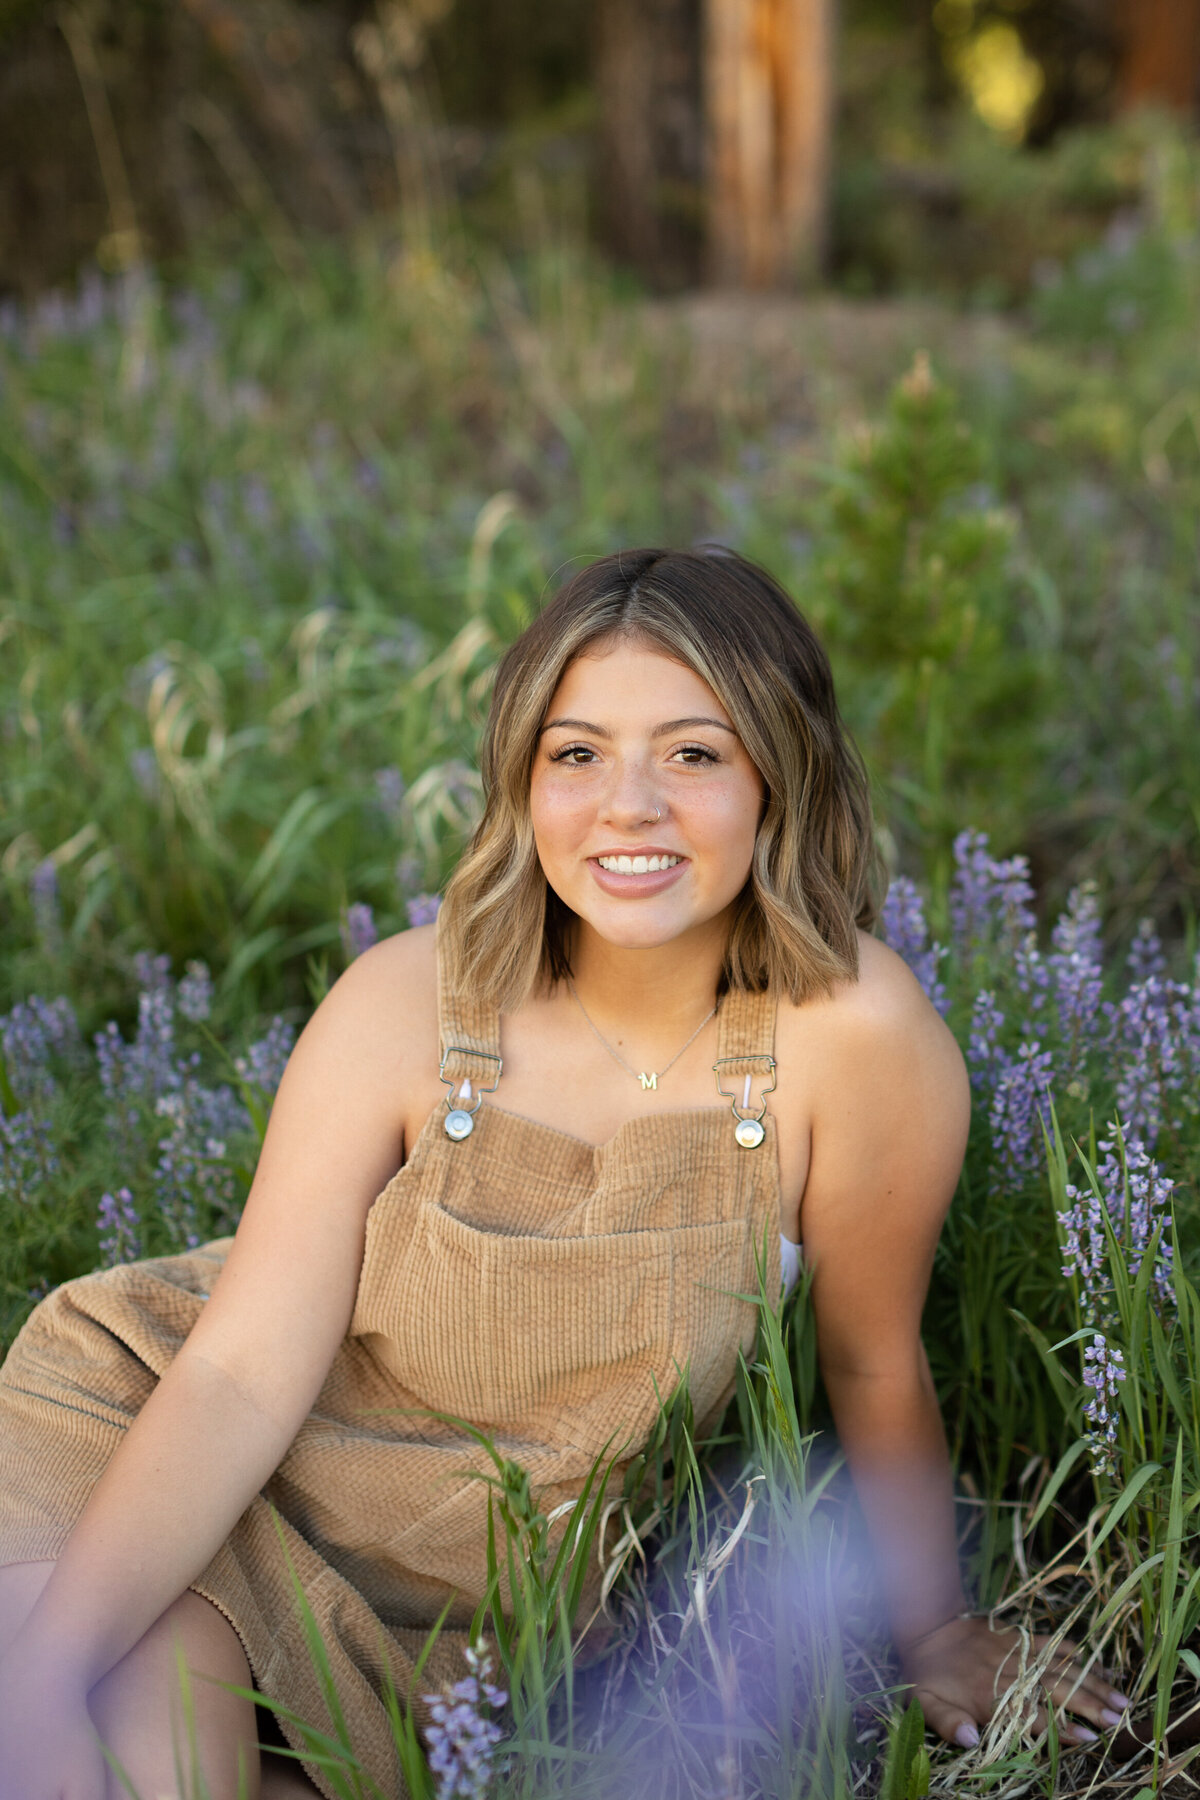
(151, 1067)
(47, 911)
(1021, 1101)
(905, 930)
(195, 993)
(390, 791)
(1145, 953)
(1131, 1187)
(123, 1116)
(423, 909)
(32, 1036)
(1134, 1194)
(118, 1224)
(463, 1737)
(1077, 971)
(985, 1058)
(152, 973)
(135, 1076)
(193, 1182)
(265, 1060)
(1155, 1053)
(990, 901)
(358, 930)
(1103, 1373)
(27, 1156)
(1032, 977)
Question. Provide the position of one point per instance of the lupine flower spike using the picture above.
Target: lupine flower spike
(463, 1737)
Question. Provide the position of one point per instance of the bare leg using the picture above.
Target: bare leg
(137, 1707)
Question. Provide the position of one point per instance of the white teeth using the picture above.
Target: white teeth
(636, 865)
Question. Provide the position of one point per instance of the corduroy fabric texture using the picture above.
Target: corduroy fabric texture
(522, 1279)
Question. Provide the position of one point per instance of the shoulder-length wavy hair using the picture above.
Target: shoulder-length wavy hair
(813, 875)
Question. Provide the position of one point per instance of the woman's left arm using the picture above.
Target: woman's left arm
(889, 1129)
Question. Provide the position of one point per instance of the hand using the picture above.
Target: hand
(49, 1749)
(959, 1669)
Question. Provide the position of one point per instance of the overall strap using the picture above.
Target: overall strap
(745, 1065)
(468, 1030)
(746, 1026)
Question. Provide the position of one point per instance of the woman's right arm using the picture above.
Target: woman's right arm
(227, 1409)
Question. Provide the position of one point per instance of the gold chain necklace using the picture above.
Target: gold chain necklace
(648, 1079)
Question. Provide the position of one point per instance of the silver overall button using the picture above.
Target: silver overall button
(748, 1132)
(458, 1124)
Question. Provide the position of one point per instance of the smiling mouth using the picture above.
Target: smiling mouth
(637, 865)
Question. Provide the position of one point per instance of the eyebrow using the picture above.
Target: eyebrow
(659, 730)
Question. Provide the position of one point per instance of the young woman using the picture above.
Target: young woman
(500, 1183)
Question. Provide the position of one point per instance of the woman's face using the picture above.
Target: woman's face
(645, 804)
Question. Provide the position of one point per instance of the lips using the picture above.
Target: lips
(633, 882)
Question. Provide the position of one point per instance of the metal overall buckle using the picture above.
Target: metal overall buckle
(459, 1122)
(749, 1129)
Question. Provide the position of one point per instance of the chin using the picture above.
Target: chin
(638, 934)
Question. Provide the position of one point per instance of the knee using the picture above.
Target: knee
(167, 1706)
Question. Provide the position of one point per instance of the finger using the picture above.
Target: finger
(1068, 1651)
(1086, 1695)
(1068, 1731)
(950, 1722)
(1096, 1689)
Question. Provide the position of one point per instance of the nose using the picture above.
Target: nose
(632, 798)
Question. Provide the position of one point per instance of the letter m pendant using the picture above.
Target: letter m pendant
(648, 1081)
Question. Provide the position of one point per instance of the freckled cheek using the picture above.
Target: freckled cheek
(721, 829)
(561, 818)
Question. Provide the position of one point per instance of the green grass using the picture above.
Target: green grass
(260, 545)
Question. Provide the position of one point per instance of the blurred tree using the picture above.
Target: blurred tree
(718, 113)
(769, 72)
(1160, 53)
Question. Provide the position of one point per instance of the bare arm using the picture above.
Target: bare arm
(224, 1414)
(889, 1133)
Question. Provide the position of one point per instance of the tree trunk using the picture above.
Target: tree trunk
(648, 79)
(1160, 54)
(769, 86)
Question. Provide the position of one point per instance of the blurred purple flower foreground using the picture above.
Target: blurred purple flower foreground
(463, 1737)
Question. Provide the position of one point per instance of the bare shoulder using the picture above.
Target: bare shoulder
(878, 1034)
(335, 1138)
(380, 1017)
(398, 974)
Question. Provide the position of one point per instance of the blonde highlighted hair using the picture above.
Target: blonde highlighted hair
(813, 875)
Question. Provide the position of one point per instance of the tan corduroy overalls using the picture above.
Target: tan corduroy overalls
(538, 1286)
